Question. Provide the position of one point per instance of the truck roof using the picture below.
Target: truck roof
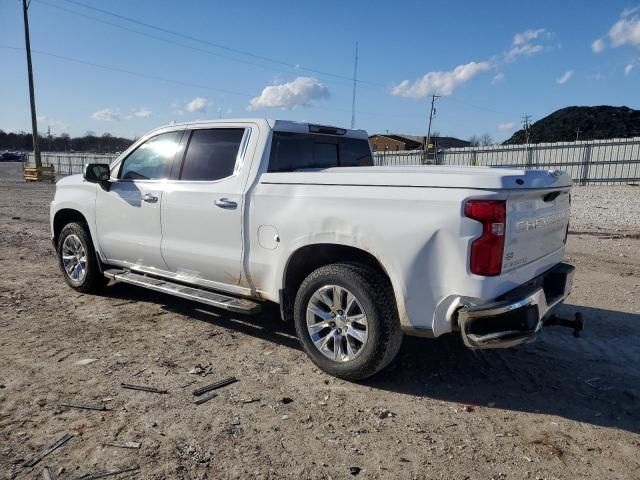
(282, 126)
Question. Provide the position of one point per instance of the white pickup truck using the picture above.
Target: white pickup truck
(237, 213)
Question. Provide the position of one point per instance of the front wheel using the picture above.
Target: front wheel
(77, 259)
(347, 321)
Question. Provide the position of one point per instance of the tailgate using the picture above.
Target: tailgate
(537, 222)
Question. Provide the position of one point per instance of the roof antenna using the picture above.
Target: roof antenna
(355, 80)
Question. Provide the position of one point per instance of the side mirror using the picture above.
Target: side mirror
(97, 173)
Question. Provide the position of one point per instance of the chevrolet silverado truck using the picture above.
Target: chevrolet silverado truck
(234, 214)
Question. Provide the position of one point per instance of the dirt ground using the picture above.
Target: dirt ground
(559, 408)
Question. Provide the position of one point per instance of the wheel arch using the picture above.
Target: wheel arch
(308, 258)
(65, 216)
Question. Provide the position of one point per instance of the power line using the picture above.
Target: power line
(131, 72)
(213, 44)
(166, 40)
(169, 80)
(478, 107)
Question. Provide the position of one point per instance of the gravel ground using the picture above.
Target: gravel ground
(606, 208)
(559, 408)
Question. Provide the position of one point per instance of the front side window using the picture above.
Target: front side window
(152, 160)
(211, 154)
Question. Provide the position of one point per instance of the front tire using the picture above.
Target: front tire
(346, 319)
(77, 259)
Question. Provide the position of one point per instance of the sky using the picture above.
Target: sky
(128, 66)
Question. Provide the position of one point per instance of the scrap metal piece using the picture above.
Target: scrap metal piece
(86, 406)
(206, 398)
(215, 385)
(143, 388)
(46, 473)
(57, 444)
(123, 445)
(109, 472)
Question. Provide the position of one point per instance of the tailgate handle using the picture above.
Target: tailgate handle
(550, 197)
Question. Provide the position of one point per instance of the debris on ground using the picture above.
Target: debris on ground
(85, 361)
(215, 385)
(143, 388)
(206, 398)
(140, 371)
(57, 444)
(384, 413)
(354, 470)
(101, 407)
(201, 370)
(286, 400)
(109, 472)
(46, 473)
(123, 445)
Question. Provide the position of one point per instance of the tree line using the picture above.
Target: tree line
(90, 142)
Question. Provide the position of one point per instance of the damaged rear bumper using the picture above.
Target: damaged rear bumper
(516, 317)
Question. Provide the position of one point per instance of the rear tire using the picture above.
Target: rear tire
(77, 259)
(346, 319)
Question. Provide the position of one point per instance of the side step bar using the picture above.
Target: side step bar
(232, 304)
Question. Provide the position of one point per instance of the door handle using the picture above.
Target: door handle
(226, 203)
(150, 198)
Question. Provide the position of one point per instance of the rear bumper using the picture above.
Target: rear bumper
(517, 316)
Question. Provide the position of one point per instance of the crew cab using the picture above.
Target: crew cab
(237, 213)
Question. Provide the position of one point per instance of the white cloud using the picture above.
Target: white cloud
(527, 36)
(526, 49)
(198, 104)
(440, 83)
(107, 115)
(628, 68)
(627, 12)
(524, 43)
(298, 93)
(142, 112)
(498, 77)
(566, 76)
(506, 126)
(625, 31)
(598, 45)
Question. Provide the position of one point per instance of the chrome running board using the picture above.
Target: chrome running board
(219, 300)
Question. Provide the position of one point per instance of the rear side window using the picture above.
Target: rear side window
(296, 151)
(211, 154)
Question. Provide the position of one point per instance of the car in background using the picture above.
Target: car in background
(13, 157)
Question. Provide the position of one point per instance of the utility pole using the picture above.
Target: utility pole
(577, 134)
(432, 112)
(355, 80)
(526, 125)
(32, 98)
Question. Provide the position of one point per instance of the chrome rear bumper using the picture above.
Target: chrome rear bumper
(517, 316)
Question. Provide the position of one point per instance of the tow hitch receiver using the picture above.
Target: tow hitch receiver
(577, 323)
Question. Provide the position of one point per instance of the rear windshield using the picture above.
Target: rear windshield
(296, 151)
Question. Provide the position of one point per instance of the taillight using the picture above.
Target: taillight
(487, 250)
